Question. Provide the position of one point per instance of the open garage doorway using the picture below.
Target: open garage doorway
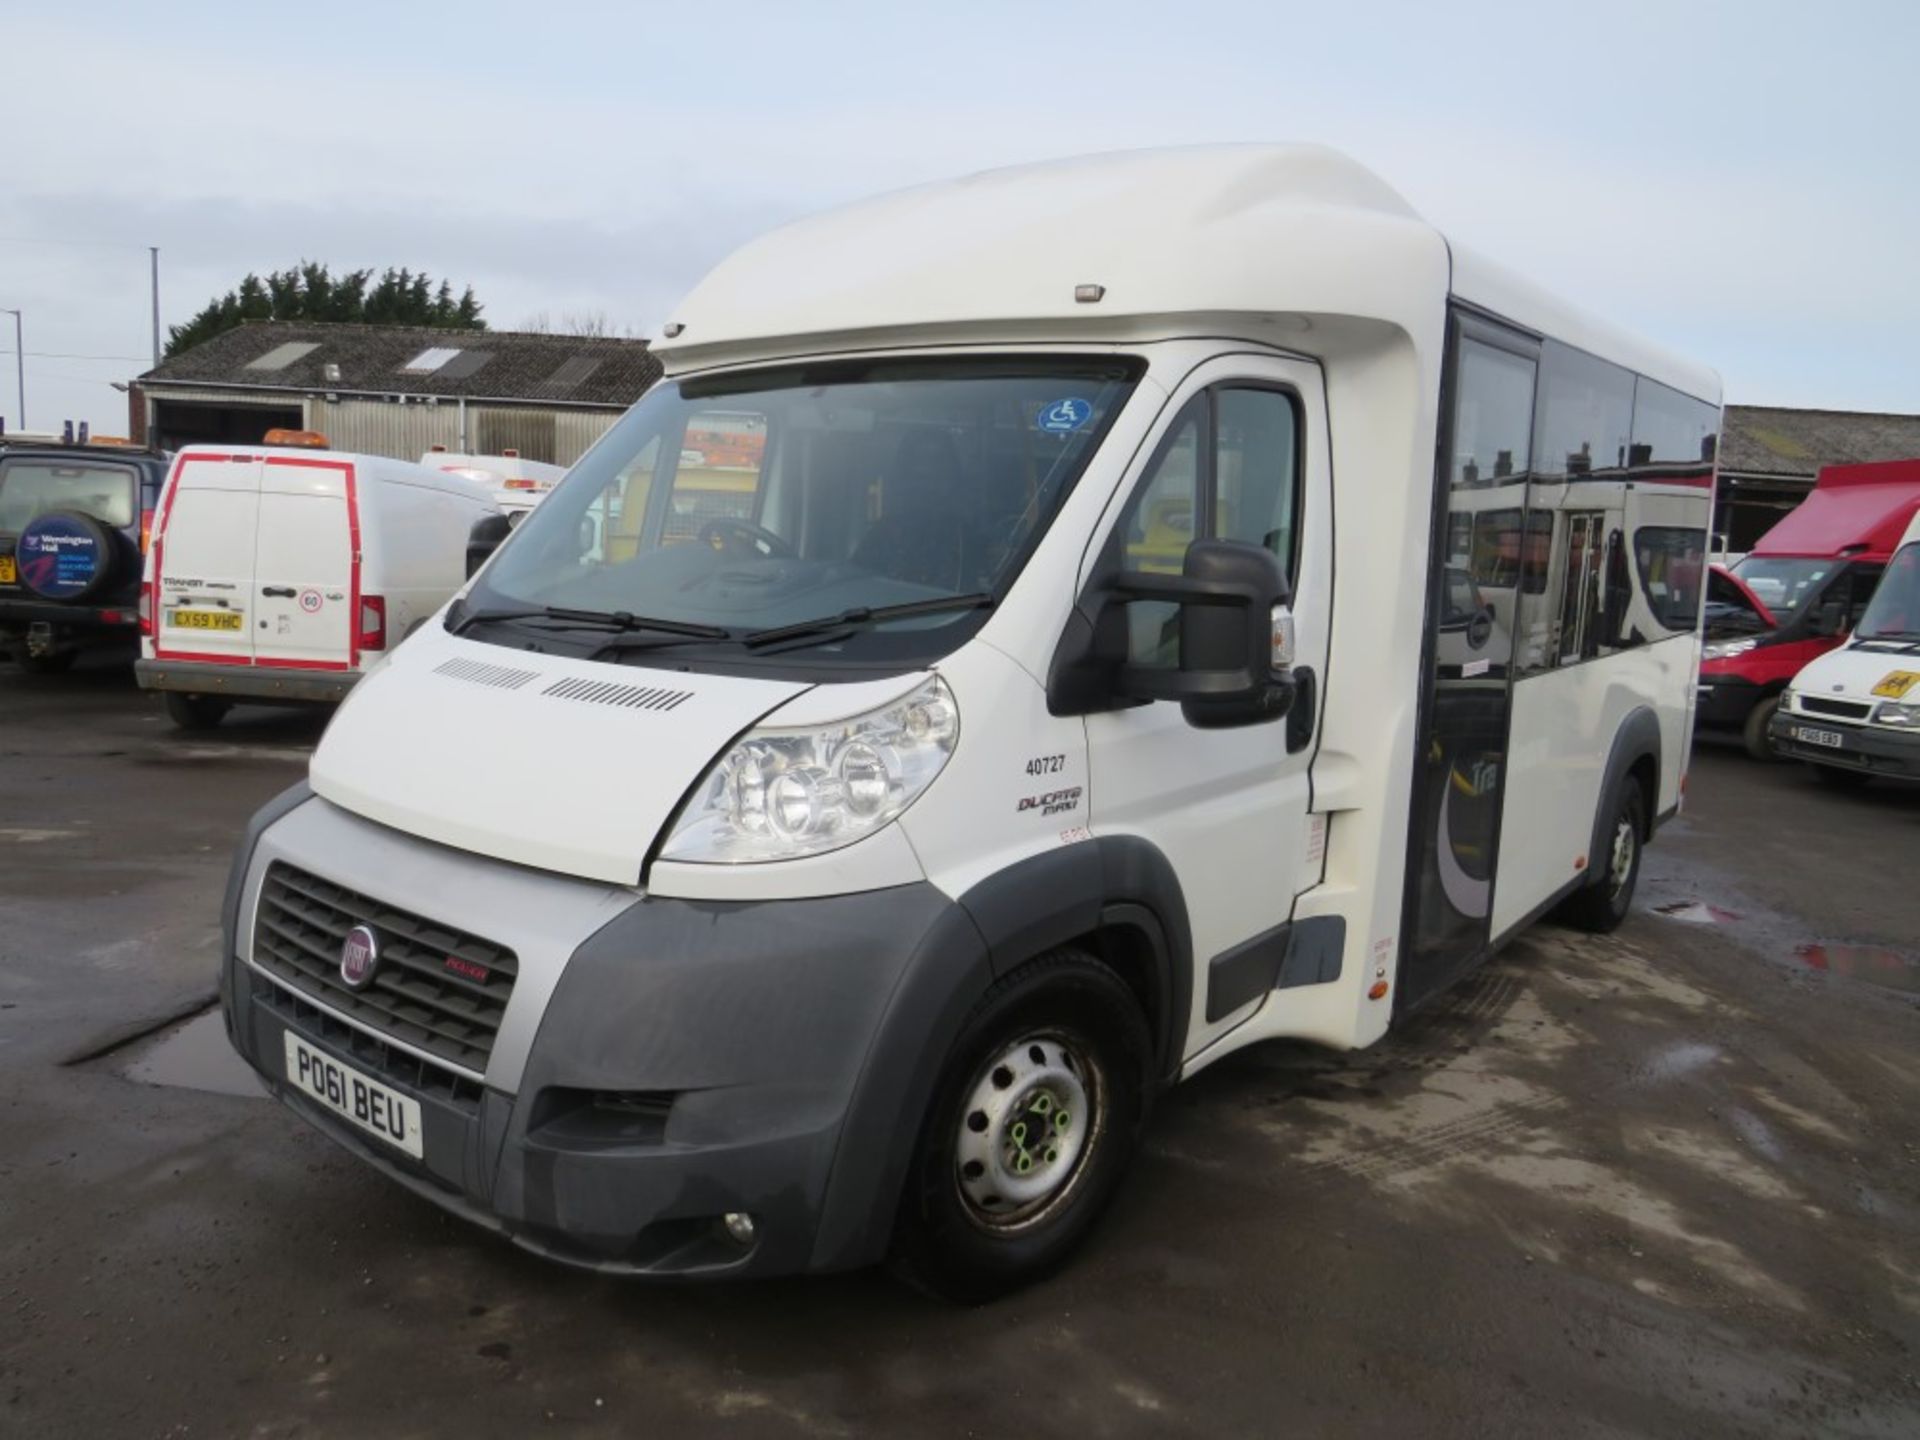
(181, 422)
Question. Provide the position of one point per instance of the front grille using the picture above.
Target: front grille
(1839, 709)
(376, 1057)
(415, 996)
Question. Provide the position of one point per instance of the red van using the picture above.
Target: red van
(1798, 593)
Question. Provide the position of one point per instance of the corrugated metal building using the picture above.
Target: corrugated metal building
(394, 390)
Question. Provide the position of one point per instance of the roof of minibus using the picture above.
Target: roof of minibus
(1238, 239)
(1866, 510)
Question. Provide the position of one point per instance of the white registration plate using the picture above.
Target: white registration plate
(1811, 735)
(345, 1091)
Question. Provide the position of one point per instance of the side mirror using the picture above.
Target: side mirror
(1236, 636)
(484, 538)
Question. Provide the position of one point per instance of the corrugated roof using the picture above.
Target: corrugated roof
(1795, 444)
(494, 364)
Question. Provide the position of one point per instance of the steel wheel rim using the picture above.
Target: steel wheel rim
(1620, 864)
(1028, 1124)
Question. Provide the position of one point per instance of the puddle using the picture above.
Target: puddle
(195, 1056)
(1695, 912)
(1873, 963)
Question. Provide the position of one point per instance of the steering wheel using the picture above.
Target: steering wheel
(720, 532)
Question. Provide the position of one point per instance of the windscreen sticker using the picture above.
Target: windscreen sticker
(1063, 417)
(1896, 684)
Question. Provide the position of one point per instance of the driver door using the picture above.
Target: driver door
(1242, 455)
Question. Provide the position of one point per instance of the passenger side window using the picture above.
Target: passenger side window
(1228, 469)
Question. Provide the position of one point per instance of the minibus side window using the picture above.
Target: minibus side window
(1228, 468)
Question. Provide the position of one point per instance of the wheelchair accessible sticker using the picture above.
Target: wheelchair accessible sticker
(1063, 417)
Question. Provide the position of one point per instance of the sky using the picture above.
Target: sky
(1739, 182)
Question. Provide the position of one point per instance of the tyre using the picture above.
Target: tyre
(1601, 906)
(58, 663)
(196, 712)
(1034, 1120)
(1835, 778)
(1754, 734)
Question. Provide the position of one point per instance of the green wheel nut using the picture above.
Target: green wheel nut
(1024, 1163)
(1020, 1132)
(1061, 1121)
(1042, 1103)
(1052, 1154)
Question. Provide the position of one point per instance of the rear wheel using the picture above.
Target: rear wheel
(196, 712)
(57, 662)
(1601, 906)
(1760, 744)
(1838, 779)
(1033, 1122)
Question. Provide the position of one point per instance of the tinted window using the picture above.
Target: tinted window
(31, 488)
(1672, 562)
(1673, 432)
(1586, 414)
(1493, 415)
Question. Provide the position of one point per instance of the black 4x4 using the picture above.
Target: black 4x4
(74, 521)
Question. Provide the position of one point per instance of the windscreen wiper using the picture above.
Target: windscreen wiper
(824, 626)
(620, 621)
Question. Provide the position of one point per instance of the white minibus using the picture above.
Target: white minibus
(1157, 603)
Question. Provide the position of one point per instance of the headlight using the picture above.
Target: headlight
(1726, 649)
(783, 793)
(1904, 717)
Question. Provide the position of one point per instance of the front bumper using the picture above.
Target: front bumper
(1723, 702)
(1862, 747)
(688, 1060)
(264, 683)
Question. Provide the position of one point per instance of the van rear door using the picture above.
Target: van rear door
(306, 564)
(204, 562)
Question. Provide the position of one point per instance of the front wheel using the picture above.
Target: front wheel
(1754, 733)
(1601, 906)
(1033, 1122)
(196, 712)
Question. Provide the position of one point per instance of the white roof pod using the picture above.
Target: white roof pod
(1253, 240)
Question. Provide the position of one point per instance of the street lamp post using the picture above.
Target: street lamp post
(19, 363)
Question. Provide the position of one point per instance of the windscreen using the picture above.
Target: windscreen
(32, 488)
(787, 496)
(1894, 612)
(1781, 585)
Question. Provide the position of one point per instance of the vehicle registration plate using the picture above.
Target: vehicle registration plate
(345, 1091)
(205, 619)
(1808, 735)
(9, 574)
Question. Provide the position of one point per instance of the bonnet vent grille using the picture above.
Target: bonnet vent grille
(475, 672)
(609, 692)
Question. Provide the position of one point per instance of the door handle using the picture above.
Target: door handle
(277, 592)
(1300, 717)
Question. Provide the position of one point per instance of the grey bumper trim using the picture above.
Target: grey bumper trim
(244, 682)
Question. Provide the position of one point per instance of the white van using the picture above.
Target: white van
(279, 575)
(517, 484)
(1854, 713)
(1052, 700)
